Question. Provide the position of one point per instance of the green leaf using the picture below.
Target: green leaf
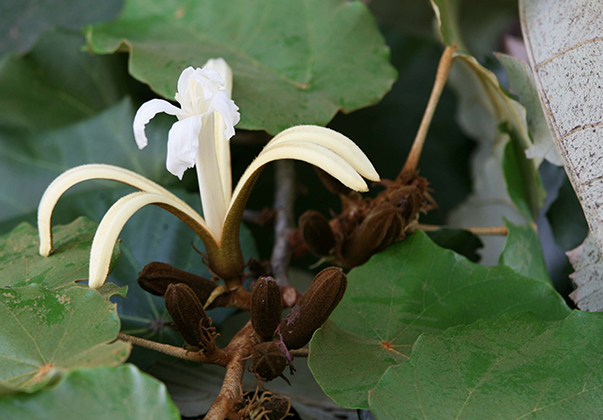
(567, 218)
(511, 368)
(56, 84)
(47, 332)
(21, 264)
(523, 252)
(23, 21)
(411, 288)
(523, 85)
(460, 241)
(116, 393)
(32, 161)
(294, 62)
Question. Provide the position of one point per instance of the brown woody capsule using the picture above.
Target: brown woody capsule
(314, 308)
(377, 231)
(265, 307)
(268, 360)
(277, 407)
(155, 278)
(317, 234)
(187, 312)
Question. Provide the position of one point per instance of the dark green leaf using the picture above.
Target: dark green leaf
(567, 218)
(117, 393)
(23, 21)
(511, 368)
(21, 263)
(294, 61)
(460, 241)
(56, 84)
(523, 252)
(46, 332)
(412, 288)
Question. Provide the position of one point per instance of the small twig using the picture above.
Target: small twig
(300, 352)
(284, 199)
(488, 230)
(441, 76)
(232, 389)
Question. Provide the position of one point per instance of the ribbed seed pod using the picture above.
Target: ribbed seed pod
(377, 231)
(187, 312)
(317, 234)
(314, 308)
(265, 307)
(268, 360)
(155, 278)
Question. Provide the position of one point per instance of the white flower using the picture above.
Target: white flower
(200, 138)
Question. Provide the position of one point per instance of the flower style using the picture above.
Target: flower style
(200, 138)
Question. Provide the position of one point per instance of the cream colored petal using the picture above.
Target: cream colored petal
(84, 173)
(314, 154)
(333, 141)
(114, 220)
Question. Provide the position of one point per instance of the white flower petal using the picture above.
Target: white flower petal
(183, 81)
(222, 67)
(116, 217)
(183, 144)
(146, 112)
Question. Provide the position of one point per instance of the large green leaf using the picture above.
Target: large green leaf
(46, 332)
(412, 288)
(23, 21)
(56, 84)
(116, 393)
(511, 368)
(294, 61)
(21, 263)
(32, 161)
(523, 252)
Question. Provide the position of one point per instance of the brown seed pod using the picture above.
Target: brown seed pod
(268, 360)
(155, 278)
(265, 307)
(317, 234)
(187, 312)
(277, 407)
(314, 308)
(377, 231)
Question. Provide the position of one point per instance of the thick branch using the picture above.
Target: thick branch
(284, 199)
(441, 76)
(488, 230)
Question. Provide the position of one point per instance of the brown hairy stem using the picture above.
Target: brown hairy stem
(441, 76)
(488, 230)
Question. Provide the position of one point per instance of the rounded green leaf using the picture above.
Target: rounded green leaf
(294, 61)
(510, 368)
(115, 393)
(46, 332)
(412, 288)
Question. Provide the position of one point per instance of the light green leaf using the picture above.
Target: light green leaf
(294, 61)
(523, 252)
(115, 393)
(47, 332)
(563, 41)
(411, 288)
(523, 85)
(21, 263)
(23, 21)
(511, 368)
(56, 84)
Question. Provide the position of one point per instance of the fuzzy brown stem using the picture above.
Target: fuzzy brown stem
(218, 357)
(488, 230)
(284, 200)
(441, 76)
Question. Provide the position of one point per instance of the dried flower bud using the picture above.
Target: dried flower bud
(155, 278)
(377, 231)
(188, 314)
(314, 308)
(317, 233)
(409, 200)
(332, 184)
(265, 307)
(277, 407)
(269, 361)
